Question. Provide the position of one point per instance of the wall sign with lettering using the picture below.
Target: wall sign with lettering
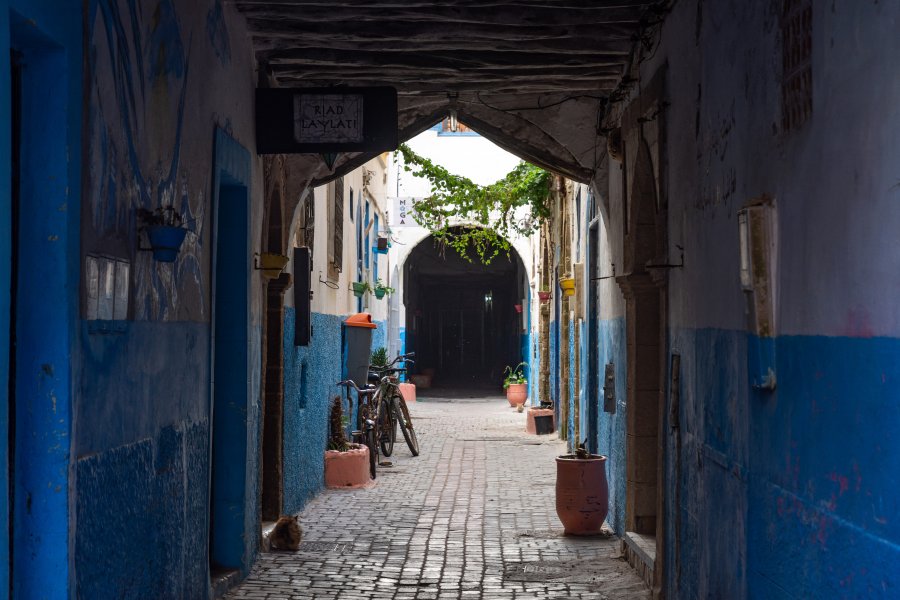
(326, 120)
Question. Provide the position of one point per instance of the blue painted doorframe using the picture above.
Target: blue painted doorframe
(231, 417)
(34, 556)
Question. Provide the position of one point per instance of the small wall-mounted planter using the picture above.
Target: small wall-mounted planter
(518, 307)
(381, 246)
(271, 265)
(359, 288)
(544, 297)
(165, 241)
(568, 285)
(380, 292)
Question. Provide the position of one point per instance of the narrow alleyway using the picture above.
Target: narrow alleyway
(472, 517)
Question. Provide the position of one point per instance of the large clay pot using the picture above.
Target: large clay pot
(347, 470)
(582, 494)
(517, 393)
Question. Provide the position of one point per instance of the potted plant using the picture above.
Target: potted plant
(518, 308)
(381, 246)
(360, 288)
(346, 464)
(514, 382)
(379, 357)
(381, 289)
(582, 493)
(544, 296)
(568, 285)
(165, 230)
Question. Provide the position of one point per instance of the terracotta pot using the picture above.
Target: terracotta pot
(347, 470)
(538, 412)
(582, 494)
(517, 393)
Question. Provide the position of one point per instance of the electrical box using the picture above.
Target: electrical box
(609, 388)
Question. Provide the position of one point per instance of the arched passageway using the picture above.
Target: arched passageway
(461, 317)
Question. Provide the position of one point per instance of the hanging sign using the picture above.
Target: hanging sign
(403, 213)
(325, 120)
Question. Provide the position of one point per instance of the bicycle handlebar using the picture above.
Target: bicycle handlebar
(350, 383)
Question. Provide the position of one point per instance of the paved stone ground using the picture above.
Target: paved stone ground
(472, 517)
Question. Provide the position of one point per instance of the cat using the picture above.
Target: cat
(286, 534)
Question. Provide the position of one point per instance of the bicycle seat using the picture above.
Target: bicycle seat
(374, 377)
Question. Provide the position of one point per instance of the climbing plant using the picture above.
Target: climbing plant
(472, 218)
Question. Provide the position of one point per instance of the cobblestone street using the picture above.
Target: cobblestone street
(472, 517)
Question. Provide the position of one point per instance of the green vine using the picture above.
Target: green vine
(469, 217)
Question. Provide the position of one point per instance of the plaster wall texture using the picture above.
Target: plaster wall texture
(341, 301)
(142, 428)
(805, 476)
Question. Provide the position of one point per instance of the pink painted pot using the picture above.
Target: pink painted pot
(537, 412)
(408, 391)
(516, 394)
(582, 494)
(347, 470)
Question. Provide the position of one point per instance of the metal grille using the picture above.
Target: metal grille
(796, 85)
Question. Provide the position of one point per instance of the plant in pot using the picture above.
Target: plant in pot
(582, 493)
(381, 289)
(346, 464)
(544, 295)
(360, 288)
(165, 230)
(379, 357)
(568, 285)
(515, 382)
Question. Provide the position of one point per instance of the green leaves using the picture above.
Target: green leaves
(469, 217)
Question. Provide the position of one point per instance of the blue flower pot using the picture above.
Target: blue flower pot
(165, 241)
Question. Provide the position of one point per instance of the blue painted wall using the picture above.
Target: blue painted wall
(611, 430)
(310, 374)
(142, 433)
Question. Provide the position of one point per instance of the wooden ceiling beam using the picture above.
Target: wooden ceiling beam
(446, 15)
(455, 61)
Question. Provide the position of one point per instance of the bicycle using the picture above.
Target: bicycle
(391, 408)
(367, 431)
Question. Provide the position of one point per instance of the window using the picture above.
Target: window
(336, 245)
(375, 257)
(366, 241)
(106, 287)
(796, 76)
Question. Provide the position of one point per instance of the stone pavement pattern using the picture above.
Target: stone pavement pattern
(472, 517)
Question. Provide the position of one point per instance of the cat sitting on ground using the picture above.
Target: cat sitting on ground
(286, 534)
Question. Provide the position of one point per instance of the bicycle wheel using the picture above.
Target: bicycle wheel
(401, 413)
(373, 451)
(387, 428)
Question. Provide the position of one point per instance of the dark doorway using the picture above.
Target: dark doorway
(462, 317)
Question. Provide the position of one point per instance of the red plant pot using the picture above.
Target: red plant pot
(516, 394)
(518, 307)
(347, 470)
(582, 494)
(544, 297)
